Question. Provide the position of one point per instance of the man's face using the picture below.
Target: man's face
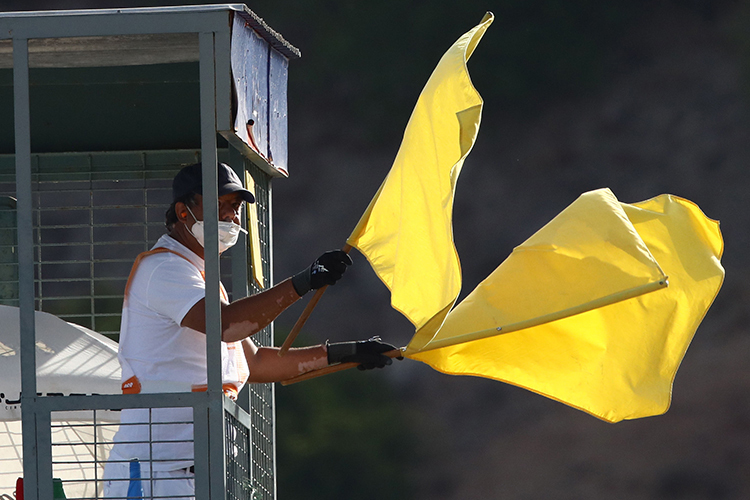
(230, 207)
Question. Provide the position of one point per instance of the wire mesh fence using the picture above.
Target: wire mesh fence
(93, 213)
(85, 467)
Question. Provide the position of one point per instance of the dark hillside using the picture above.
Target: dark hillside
(671, 116)
(642, 97)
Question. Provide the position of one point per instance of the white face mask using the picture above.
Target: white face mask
(229, 233)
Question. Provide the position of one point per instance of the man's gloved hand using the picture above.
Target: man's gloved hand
(326, 270)
(368, 353)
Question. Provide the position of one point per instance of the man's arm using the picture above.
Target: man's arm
(247, 316)
(266, 366)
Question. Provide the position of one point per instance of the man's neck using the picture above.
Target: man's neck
(180, 234)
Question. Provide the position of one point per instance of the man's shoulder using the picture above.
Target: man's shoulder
(168, 246)
(163, 274)
(166, 261)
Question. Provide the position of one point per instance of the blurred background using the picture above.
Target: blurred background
(642, 97)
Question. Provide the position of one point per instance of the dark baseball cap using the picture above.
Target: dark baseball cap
(190, 180)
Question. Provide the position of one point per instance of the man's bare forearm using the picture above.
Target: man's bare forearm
(266, 365)
(247, 316)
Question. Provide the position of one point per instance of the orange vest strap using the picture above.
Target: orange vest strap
(229, 389)
(131, 386)
(141, 256)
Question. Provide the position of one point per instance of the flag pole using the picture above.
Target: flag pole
(306, 313)
(395, 353)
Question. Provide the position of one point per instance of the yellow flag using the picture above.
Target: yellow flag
(407, 232)
(568, 315)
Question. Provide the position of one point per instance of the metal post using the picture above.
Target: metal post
(201, 443)
(44, 451)
(239, 261)
(209, 160)
(272, 333)
(8, 252)
(22, 127)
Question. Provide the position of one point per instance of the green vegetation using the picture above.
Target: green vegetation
(343, 436)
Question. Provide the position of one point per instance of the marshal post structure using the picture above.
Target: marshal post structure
(100, 109)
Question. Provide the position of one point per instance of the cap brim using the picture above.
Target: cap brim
(246, 195)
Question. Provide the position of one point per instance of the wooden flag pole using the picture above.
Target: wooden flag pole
(306, 314)
(395, 353)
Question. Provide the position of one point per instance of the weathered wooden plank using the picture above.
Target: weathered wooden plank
(278, 132)
(249, 56)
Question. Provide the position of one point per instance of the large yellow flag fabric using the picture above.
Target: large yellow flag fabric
(580, 313)
(595, 310)
(406, 233)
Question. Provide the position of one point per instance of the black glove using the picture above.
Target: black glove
(326, 270)
(368, 353)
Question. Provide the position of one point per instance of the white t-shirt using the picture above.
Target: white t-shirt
(166, 357)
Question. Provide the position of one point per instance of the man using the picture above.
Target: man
(163, 344)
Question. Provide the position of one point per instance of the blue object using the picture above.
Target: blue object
(135, 488)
